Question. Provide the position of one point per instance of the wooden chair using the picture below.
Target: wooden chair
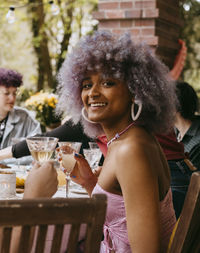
(187, 235)
(58, 212)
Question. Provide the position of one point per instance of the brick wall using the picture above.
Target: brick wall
(157, 22)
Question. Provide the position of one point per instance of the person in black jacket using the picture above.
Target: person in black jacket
(188, 122)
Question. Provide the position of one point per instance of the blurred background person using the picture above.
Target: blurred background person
(187, 122)
(15, 122)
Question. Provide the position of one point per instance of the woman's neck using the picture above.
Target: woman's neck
(111, 132)
(182, 125)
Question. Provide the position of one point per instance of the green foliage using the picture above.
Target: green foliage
(191, 35)
(23, 94)
(37, 43)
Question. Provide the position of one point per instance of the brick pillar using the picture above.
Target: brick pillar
(157, 22)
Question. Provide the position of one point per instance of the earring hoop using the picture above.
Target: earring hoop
(139, 103)
(83, 113)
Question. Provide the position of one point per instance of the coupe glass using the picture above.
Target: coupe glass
(67, 153)
(41, 148)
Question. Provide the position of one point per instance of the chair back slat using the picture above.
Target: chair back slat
(43, 213)
(57, 238)
(73, 238)
(25, 239)
(92, 232)
(196, 244)
(188, 229)
(6, 242)
(40, 238)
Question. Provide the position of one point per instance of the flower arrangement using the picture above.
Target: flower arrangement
(44, 103)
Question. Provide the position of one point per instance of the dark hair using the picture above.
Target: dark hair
(10, 78)
(134, 64)
(188, 100)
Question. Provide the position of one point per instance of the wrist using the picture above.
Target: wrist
(6, 153)
(90, 184)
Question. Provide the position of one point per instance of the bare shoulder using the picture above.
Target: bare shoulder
(138, 140)
(139, 153)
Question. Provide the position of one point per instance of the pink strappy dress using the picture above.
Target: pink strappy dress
(115, 230)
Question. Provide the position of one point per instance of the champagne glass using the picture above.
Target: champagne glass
(41, 148)
(67, 154)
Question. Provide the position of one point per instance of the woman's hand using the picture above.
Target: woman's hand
(82, 174)
(42, 181)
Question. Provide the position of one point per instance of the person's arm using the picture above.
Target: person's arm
(139, 185)
(41, 181)
(6, 153)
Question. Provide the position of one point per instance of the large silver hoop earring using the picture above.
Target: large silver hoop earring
(83, 113)
(139, 103)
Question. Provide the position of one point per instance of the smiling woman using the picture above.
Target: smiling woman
(118, 88)
(99, 98)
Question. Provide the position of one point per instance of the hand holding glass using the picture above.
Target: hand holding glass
(67, 150)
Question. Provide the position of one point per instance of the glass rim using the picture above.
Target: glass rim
(68, 142)
(42, 138)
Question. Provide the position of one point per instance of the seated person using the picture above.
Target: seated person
(15, 122)
(119, 89)
(140, 215)
(174, 152)
(187, 122)
(180, 167)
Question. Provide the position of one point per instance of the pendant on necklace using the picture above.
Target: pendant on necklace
(117, 135)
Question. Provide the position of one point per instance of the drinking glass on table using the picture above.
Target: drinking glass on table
(67, 153)
(41, 148)
(7, 184)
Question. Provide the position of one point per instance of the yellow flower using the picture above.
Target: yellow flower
(40, 108)
(43, 103)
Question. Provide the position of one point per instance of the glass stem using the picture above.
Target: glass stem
(67, 185)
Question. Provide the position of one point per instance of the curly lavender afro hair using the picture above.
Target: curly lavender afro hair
(10, 78)
(134, 64)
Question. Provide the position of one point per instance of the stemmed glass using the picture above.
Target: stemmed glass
(93, 155)
(41, 148)
(67, 154)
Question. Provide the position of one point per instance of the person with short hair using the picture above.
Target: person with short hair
(15, 122)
